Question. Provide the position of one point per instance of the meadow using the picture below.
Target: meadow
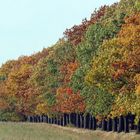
(42, 131)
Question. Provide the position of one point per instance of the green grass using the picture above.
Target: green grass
(42, 131)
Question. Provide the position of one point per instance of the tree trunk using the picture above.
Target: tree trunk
(81, 121)
(121, 124)
(47, 119)
(126, 124)
(38, 118)
(69, 118)
(94, 124)
(33, 117)
(52, 120)
(87, 121)
(65, 119)
(115, 124)
(41, 118)
(59, 123)
(62, 121)
(76, 120)
(57, 120)
(84, 122)
(138, 128)
(109, 125)
(132, 125)
(104, 125)
(30, 118)
(90, 121)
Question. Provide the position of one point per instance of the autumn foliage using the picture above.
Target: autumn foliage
(76, 34)
(94, 69)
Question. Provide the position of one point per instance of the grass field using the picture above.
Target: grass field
(40, 131)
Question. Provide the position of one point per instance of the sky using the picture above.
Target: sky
(28, 26)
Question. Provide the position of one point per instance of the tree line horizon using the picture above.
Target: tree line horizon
(94, 69)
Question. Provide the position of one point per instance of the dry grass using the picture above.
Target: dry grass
(42, 131)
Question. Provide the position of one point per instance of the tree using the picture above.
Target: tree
(116, 65)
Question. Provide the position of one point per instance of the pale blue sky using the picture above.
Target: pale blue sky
(26, 26)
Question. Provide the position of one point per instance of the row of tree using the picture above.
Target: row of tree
(117, 124)
(94, 69)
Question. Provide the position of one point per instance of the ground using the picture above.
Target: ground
(42, 131)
